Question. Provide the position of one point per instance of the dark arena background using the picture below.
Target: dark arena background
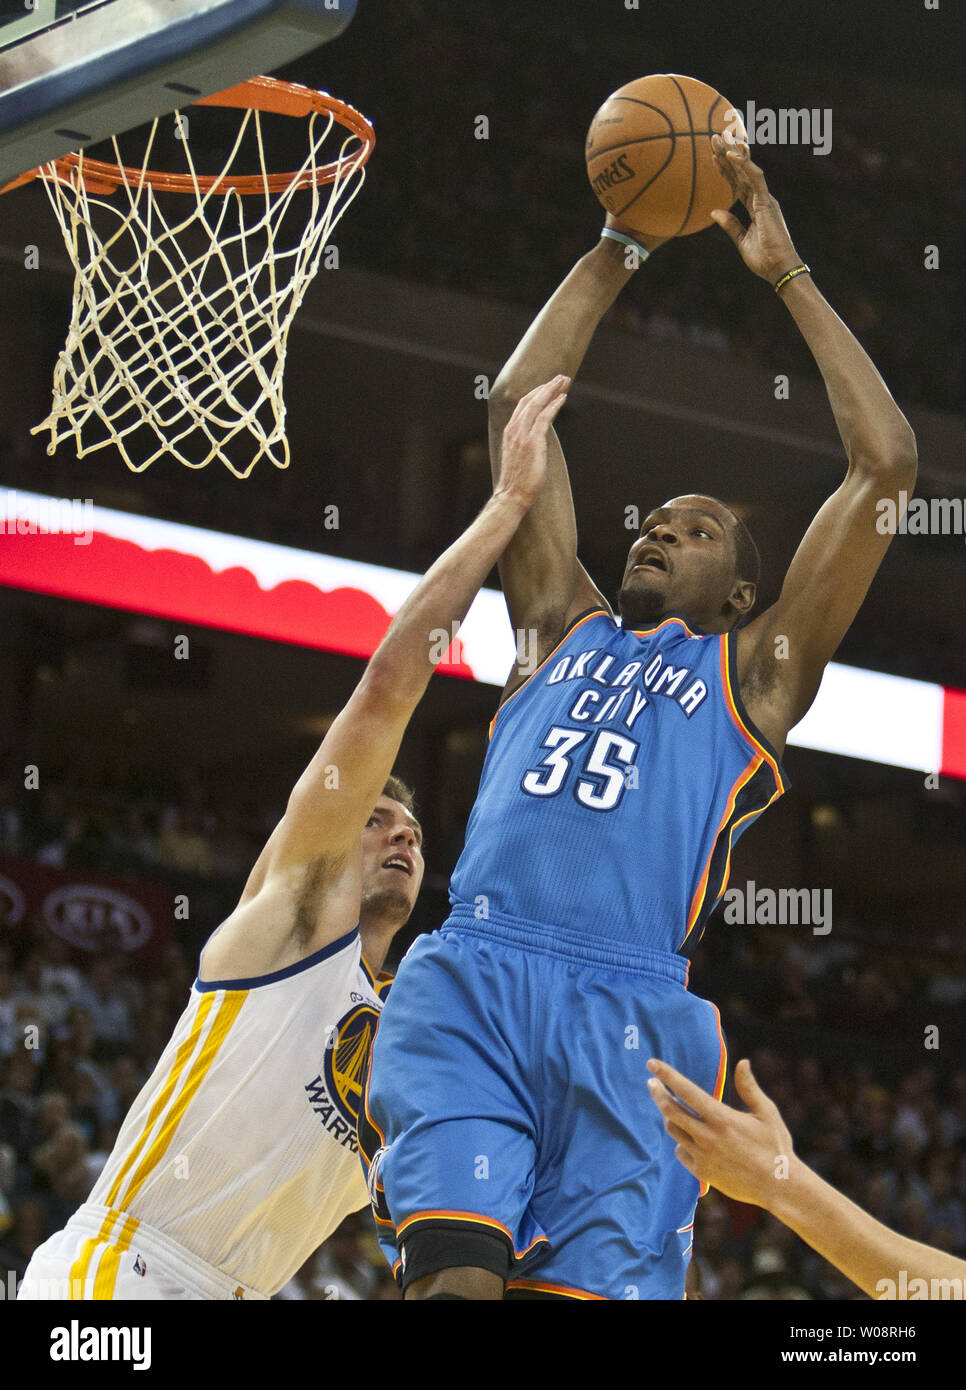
(131, 780)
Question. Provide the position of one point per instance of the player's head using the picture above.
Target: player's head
(695, 557)
(392, 856)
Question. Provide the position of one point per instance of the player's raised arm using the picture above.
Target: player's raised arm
(334, 797)
(749, 1157)
(543, 581)
(845, 544)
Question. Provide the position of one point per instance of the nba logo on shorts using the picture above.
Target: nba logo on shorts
(139, 1266)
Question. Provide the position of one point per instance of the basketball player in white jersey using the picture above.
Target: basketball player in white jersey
(239, 1156)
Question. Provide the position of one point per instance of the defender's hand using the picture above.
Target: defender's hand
(524, 457)
(744, 1156)
(765, 246)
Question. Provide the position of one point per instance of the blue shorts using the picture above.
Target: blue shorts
(508, 1095)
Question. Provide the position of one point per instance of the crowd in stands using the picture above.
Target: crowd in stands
(889, 1130)
(131, 835)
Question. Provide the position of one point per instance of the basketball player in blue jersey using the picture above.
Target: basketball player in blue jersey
(238, 1157)
(511, 1140)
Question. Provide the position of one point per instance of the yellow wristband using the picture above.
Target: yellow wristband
(791, 274)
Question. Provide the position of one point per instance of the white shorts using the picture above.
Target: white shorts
(103, 1254)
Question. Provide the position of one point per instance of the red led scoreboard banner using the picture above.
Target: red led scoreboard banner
(76, 550)
(121, 560)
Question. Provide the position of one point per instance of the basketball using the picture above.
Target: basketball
(649, 157)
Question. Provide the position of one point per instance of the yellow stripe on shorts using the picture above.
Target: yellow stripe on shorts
(106, 1279)
(79, 1269)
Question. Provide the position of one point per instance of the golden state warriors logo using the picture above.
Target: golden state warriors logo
(346, 1057)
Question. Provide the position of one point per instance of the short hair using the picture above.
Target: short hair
(397, 790)
(746, 552)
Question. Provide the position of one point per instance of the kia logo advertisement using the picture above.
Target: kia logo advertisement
(96, 918)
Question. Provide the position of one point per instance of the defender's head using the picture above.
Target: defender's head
(695, 557)
(392, 855)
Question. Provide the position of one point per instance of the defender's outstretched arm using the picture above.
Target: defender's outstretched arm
(844, 546)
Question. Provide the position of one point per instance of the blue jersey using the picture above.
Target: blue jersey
(617, 779)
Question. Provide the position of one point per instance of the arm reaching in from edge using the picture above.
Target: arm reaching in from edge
(749, 1157)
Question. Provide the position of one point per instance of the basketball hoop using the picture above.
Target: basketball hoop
(179, 327)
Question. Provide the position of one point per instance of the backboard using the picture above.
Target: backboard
(73, 73)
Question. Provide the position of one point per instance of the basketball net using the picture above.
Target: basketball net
(186, 348)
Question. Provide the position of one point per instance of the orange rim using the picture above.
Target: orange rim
(257, 94)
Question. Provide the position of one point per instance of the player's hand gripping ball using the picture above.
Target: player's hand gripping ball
(649, 155)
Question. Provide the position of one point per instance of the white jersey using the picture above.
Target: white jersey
(241, 1147)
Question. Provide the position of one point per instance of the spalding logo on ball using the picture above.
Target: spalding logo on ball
(649, 157)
